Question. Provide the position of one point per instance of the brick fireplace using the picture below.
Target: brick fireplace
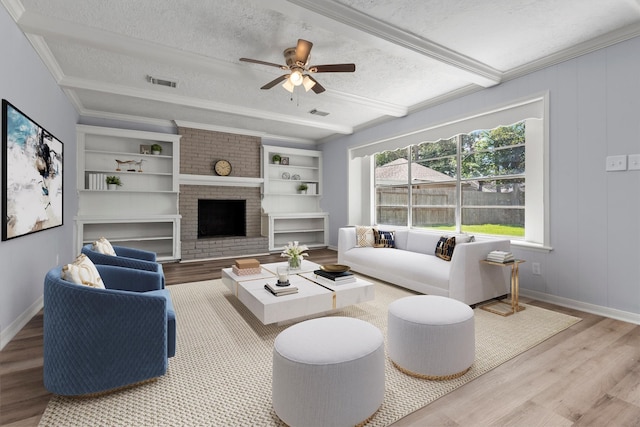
(199, 150)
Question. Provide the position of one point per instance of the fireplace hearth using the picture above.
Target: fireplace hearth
(221, 218)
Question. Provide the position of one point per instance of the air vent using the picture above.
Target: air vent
(318, 113)
(162, 81)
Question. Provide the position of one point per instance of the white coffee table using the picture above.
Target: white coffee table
(312, 298)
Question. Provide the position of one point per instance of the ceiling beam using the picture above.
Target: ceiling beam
(347, 20)
(187, 101)
(226, 129)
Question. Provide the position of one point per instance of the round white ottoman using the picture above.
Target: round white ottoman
(328, 372)
(431, 337)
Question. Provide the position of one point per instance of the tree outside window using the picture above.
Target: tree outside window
(473, 183)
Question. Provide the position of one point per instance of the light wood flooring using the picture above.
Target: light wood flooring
(588, 375)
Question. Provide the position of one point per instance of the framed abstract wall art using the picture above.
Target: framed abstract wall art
(32, 172)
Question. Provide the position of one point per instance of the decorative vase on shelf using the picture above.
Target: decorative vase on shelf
(112, 186)
(295, 262)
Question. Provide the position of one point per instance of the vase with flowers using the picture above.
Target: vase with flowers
(296, 253)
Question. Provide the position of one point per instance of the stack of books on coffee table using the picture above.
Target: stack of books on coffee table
(335, 278)
(246, 267)
(281, 290)
(500, 256)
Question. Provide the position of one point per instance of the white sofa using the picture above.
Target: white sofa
(413, 265)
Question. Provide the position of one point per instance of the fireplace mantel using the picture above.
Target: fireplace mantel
(223, 181)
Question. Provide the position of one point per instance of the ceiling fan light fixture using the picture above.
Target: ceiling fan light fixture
(288, 85)
(308, 83)
(296, 78)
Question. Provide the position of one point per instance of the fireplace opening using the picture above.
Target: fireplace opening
(221, 218)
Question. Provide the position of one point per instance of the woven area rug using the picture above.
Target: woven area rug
(221, 374)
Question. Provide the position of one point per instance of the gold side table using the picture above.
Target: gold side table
(515, 289)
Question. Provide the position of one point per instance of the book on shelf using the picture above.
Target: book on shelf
(336, 277)
(97, 181)
(500, 256)
(312, 188)
(281, 290)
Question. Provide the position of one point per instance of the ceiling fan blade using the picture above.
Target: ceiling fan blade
(274, 82)
(271, 64)
(317, 87)
(333, 68)
(303, 49)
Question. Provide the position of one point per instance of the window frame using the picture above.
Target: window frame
(533, 109)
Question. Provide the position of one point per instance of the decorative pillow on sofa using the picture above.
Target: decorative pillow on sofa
(463, 237)
(384, 239)
(444, 247)
(365, 236)
(82, 272)
(103, 246)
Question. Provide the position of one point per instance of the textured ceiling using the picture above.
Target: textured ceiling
(408, 54)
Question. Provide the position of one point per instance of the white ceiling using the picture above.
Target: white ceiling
(408, 54)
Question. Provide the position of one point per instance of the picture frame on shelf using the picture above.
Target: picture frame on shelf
(145, 148)
(284, 160)
(32, 175)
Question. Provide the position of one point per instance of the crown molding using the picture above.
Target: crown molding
(355, 21)
(14, 7)
(589, 46)
(203, 104)
(42, 49)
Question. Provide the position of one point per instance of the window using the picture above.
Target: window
(473, 182)
(452, 176)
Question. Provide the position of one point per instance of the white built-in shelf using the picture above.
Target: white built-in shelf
(143, 212)
(288, 214)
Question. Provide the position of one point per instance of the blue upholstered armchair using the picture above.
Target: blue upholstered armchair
(126, 257)
(98, 340)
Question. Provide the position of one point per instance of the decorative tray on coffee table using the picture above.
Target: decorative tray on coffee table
(335, 268)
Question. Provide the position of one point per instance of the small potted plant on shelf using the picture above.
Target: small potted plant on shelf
(302, 188)
(276, 159)
(156, 149)
(113, 182)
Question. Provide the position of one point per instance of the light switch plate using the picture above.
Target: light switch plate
(617, 163)
(634, 162)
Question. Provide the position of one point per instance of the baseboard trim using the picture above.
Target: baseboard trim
(625, 316)
(12, 330)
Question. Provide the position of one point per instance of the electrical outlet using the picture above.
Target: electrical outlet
(617, 163)
(634, 162)
(535, 267)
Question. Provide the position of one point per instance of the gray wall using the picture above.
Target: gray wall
(28, 85)
(594, 215)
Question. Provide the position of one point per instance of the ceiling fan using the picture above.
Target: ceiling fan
(297, 59)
